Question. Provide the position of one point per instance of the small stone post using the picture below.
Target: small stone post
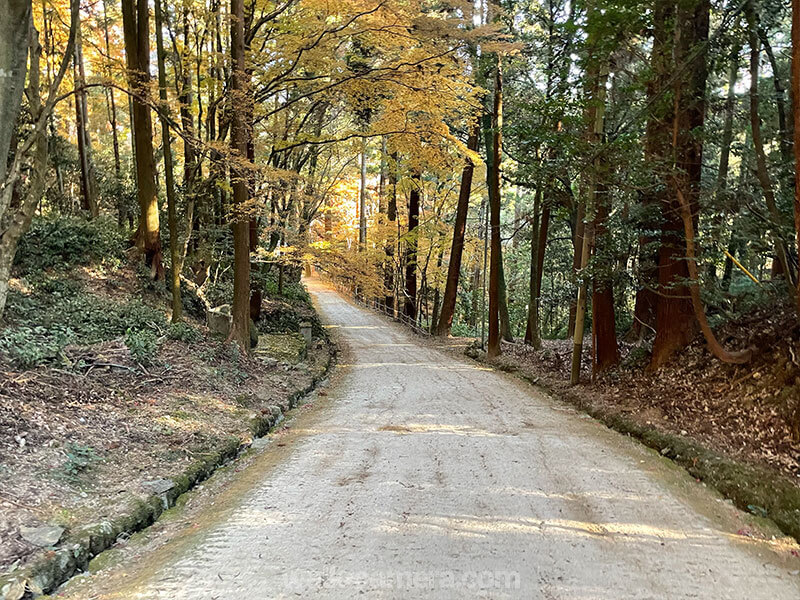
(305, 330)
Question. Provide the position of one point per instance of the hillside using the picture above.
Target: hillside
(100, 396)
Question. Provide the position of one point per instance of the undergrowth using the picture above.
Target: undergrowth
(59, 313)
(64, 242)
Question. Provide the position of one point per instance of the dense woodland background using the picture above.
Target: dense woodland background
(527, 170)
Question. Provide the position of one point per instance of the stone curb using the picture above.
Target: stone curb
(53, 567)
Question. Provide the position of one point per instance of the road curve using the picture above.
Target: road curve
(430, 477)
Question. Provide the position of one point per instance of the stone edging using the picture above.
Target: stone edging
(54, 567)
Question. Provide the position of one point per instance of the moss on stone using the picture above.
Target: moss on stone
(284, 347)
(105, 559)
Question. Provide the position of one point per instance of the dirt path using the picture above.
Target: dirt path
(430, 477)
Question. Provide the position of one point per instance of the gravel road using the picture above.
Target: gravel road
(428, 476)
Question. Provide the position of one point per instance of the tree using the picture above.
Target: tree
(15, 217)
(362, 199)
(112, 104)
(88, 176)
(459, 229)
(785, 268)
(676, 323)
(410, 305)
(391, 216)
(493, 347)
(796, 121)
(136, 27)
(596, 207)
(533, 334)
(656, 152)
(240, 311)
(604, 333)
(169, 172)
(14, 32)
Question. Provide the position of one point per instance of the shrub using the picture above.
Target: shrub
(183, 332)
(28, 347)
(293, 290)
(278, 317)
(79, 458)
(143, 345)
(219, 292)
(138, 315)
(41, 324)
(63, 242)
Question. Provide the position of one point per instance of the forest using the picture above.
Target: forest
(601, 195)
(619, 169)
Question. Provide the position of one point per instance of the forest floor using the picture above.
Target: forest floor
(88, 434)
(748, 412)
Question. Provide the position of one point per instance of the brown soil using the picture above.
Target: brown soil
(131, 424)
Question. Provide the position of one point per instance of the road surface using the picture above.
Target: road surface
(428, 476)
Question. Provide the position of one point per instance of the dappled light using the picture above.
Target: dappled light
(399, 299)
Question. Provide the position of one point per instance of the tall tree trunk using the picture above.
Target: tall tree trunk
(761, 158)
(543, 228)
(382, 180)
(580, 306)
(540, 252)
(579, 231)
(596, 207)
(724, 199)
(16, 219)
(88, 176)
(505, 321)
(785, 127)
(14, 31)
(437, 297)
(604, 332)
(490, 142)
(112, 104)
(256, 292)
(533, 334)
(135, 22)
(676, 323)
(657, 153)
(240, 312)
(727, 127)
(410, 306)
(493, 348)
(169, 174)
(477, 271)
(191, 166)
(796, 121)
(134, 170)
(391, 215)
(362, 199)
(445, 322)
